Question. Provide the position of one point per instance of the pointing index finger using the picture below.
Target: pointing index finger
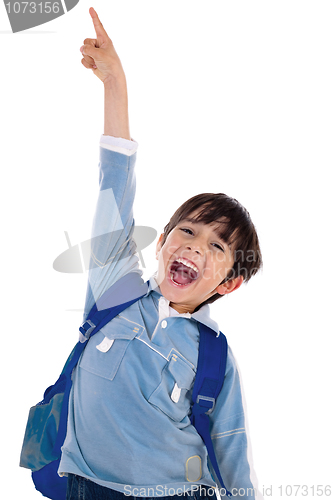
(100, 31)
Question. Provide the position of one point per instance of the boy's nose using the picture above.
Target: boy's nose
(195, 248)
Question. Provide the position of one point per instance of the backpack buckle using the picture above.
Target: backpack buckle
(85, 330)
(205, 401)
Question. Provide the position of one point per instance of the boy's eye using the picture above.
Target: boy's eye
(219, 247)
(186, 230)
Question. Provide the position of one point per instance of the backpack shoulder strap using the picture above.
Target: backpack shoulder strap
(207, 386)
(118, 297)
(96, 319)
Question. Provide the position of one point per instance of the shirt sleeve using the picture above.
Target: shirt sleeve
(119, 145)
(111, 251)
(230, 437)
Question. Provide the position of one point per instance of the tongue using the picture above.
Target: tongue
(182, 274)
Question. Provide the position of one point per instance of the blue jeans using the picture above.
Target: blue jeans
(80, 488)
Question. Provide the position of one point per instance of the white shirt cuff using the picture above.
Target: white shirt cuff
(118, 144)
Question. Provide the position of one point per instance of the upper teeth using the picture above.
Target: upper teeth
(188, 264)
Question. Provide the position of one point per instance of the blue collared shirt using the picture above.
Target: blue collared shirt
(128, 424)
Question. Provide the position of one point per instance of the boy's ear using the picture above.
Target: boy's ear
(229, 286)
(159, 245)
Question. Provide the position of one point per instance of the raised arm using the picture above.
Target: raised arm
(111, 252)
(100, 56)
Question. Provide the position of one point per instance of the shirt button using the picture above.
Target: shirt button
(164, 324)
(162, 301)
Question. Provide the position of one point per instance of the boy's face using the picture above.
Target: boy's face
(192, 263)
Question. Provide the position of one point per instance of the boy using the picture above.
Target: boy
(129, 432)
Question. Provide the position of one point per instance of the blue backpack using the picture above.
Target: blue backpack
(47, 421)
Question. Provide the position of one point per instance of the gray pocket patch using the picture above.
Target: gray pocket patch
(193, 468)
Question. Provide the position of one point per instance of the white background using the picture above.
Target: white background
(231, 97)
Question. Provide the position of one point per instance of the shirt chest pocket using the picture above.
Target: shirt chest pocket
(172, 395)
(106, 350)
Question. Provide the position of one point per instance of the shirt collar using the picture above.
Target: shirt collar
(202, 316)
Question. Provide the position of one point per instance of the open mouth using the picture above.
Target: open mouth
(183, 272)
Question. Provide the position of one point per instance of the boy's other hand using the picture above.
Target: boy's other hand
(99, 54)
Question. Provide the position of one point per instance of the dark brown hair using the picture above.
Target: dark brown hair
(235, 228)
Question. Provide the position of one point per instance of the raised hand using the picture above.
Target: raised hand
(99, 54)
